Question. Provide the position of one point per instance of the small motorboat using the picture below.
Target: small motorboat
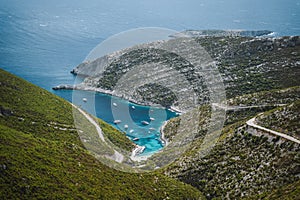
(133, 107)
(152, 119)
(84, 99)
(135, 139)
(126, 126)
(117, 121)
(145, 122)
(139, 150)
(131, 131)
(115, 104)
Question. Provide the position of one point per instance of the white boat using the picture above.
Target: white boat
(131, 131)
(84, 99)
(145, 122)
(152, 129)
(115, 104)
(117, 121)
(152, 119)
(126, 126)
(169, 109)
(133, 107)
(135, 139)
(139, 150)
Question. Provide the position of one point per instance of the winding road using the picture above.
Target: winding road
(118, 157)
(251, 122)
(227, 107)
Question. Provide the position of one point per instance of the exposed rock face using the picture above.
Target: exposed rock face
(89, 68)
(247, 65)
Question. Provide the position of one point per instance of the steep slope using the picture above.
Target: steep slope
(42, 156)
(242, 165)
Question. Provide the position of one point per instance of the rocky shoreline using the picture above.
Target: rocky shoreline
(109, 92)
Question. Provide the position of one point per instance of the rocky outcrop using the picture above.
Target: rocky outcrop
(91, 68)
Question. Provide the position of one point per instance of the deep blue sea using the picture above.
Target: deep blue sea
(41, 41)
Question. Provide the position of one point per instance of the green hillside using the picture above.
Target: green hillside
(242, 165)
(42, 156)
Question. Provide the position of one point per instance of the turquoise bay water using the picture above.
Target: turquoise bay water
(148, 135)
(41, 41)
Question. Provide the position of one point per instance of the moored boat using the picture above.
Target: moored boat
(117, 121)
(145, 122)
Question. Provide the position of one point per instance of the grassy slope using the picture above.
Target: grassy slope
(42, 157)
(119, 139)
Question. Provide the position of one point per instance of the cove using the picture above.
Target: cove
(142, 126)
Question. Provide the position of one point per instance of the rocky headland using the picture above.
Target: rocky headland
(247, 64)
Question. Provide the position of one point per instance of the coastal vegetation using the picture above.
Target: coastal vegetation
(116, 137)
